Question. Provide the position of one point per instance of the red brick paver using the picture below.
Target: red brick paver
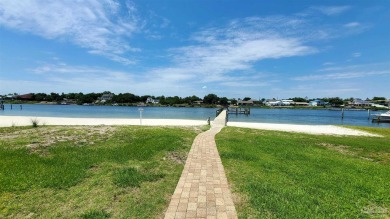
(203, 190)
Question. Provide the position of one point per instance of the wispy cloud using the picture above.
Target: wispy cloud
(356, 54)
(96, 25)
(347, 72)
(328, 63)
(360, 67)
(234, 48)
(332, 10)
(225, 55)
(61, 77)
(342, 75)
(352, 24)
(64, 72)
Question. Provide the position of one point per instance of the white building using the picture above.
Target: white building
(152, 101)
(279, 102)
(106, 97)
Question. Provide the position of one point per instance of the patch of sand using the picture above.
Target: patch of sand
(8, 121)
(309, 129)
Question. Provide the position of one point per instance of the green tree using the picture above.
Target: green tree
(39, 96)
(190, 99)
(223, 101)
(335, 101)
(55, 97)
(378, 98)
(144, 98)
(126, 98)
(298, 99)
(210, 99)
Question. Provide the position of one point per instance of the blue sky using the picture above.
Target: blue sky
(260, 49)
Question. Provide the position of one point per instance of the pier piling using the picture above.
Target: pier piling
(246, 111)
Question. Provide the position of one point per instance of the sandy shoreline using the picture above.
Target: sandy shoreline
(309, 129)
(8, 121)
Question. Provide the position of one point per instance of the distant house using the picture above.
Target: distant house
(67, 101)
(359, 102)
(152, 101)
(287, 102)
(279, 102)
(245, 102)
(25, 97)
(273, 103)
(9, 97)
(198, 102)
(301, 104)
(106, 97)
(316, 103)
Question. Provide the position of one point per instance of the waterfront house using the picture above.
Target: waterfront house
(106, 97)
(317, 103)
(287, 102)
(300, 104)
(273, 103)
(152, 101)
(67, 101)
(198, 102)
(245, 102)
(279, 102)
(359, 102)
(25, 97)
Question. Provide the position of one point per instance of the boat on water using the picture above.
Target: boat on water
(383, 117)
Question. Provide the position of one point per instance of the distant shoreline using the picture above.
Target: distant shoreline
(209, 106)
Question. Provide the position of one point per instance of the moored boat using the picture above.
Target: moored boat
(383, 117)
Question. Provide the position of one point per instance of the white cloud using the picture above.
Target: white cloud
(352, 24)
(332, 10)
(341, 75)
(92, 24)
(356, 54)
(244, 84)
(348, 72)
(61, 77)
(328, 63)
(234, 48)
(360, 67)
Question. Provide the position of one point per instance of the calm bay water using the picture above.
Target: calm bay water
(290, 116)
(77, 111)
(310, 117)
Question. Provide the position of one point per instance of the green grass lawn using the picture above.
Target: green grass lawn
(289, 175)
(90, 172)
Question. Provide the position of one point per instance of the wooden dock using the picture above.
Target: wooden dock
(381, 119)
(245, 111)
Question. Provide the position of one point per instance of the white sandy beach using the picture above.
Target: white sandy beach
(310, 129)
(7, 121)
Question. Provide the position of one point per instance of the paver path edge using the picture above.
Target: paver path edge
(203, 190)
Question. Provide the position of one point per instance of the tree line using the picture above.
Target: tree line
(81, 98)
(129, 98)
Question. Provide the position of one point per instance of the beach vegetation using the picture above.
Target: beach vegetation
(34, 122)
(90, 171)
(276, 174)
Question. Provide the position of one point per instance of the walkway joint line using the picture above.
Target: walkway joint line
(203, 190)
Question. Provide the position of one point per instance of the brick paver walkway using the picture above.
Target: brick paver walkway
(203, 191)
